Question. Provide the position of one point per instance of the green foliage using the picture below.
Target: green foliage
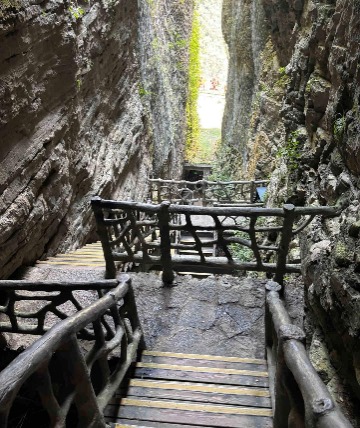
(283, 79)
(339, 128)
(208, 140)
(76, 11)
(192, 117)
(239, 251)
(143, 92)
(226, 163)
(8, 4)
(291, 151)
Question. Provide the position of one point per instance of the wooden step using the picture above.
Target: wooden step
(201, 374)
(195, 414)
(198, 392)
(203, 361)
(206, 251)
(199, 275)
(173, 390)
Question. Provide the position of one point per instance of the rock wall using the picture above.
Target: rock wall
(307, 124)
(165, 29)
(245, 31)
(72, 120)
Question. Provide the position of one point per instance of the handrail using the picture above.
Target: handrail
(298, 393)
(27, 304)
(132, 232)
(116, 329)
(204, 191)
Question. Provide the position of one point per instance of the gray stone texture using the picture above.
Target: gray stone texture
(73, 119)
(219, 315)
(308, 85)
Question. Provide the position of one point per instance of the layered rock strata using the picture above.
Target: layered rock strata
(73, 123)
(164, 34)
(307, 122)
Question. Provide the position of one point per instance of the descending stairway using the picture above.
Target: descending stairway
(187, 390)
(91, 255)
(206, 237)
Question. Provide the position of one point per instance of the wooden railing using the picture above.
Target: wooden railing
(147, 235)
(73, 385)
(208, 193)
(299, 396)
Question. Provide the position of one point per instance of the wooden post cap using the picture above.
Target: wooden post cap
(273, 286)
(321, 406)
(290, 331)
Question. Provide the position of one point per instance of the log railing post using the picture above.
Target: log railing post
(281, 399)
(252, 192)
(165, 243)
(73, 362)
(104, 237)
(286, 236)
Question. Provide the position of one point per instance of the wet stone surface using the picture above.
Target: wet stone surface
(219, 315)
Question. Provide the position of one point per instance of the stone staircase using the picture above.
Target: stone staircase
(187, 239)
(91, 255)
(170, 390)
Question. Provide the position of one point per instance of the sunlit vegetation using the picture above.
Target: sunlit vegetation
(192, 117)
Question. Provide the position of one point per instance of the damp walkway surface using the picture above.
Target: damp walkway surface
(218, 315)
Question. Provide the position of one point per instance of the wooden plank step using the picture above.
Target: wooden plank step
(190, 240)
(76, 258)
(201, 374)
(205, 415)
(147, 424)
(197, 392)
(205, 369)
(195, 274)
(204, 357)
(202, 363)
(205, 252)
(95, 264)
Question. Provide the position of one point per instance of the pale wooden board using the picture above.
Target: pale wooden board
(203, 363)
(169, 393)
(199, 376)
(130, 413)
(204, 357)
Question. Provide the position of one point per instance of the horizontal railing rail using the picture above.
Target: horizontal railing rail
(32, 307)
(147, 235)
(208, 193)
(66, 377)
(299, 396)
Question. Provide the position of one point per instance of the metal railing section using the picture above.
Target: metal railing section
(147, 234)
(299, 396)
(208, 193)
(87, 381)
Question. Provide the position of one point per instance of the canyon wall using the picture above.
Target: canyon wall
(165, 30)
(73, 121)
(303, 129)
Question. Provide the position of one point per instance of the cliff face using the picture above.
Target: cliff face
(307, 124)
(164, 33)
(72, 121)
(245, 31)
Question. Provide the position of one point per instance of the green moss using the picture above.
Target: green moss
(7, 5)
(339, 128)
(208, 141)
(342, 255)
(76, 11)
(291, 151)
(192, 117)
